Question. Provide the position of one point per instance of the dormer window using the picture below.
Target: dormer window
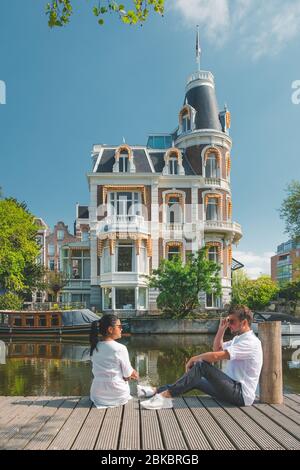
(186, 122)
(173, 166)
(173, 162)
(187, 119)
(124, 160)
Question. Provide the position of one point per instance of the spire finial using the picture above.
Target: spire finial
(198, 49)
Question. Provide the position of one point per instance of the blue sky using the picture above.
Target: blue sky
(70, 88)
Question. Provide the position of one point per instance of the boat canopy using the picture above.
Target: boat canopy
(78, 317)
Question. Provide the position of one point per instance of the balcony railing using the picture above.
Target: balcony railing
(213, 181)
(124, 223)
(44, 306)
(78, 284)
(176, 227)
(223, 225)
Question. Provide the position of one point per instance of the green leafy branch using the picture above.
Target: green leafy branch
(59, 12)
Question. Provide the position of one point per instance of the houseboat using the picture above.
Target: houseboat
(290, 325)
(48, 323)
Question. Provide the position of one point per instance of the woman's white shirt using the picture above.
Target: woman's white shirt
(110, 365)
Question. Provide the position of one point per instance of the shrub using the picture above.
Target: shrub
(10, 301)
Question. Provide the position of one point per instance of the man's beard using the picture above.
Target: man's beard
(237, 333)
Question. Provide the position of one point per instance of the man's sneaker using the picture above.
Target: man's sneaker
(158, 402)
(144, 391)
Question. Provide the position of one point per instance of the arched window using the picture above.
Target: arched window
(212, 163)
(212, 169)
(174, 210)
(187, 118)
(173, 162)
(173, 249)
(186, 122)
(213, 254)
(123, 162)
(173, 166)
(214, 250)
(212, 208)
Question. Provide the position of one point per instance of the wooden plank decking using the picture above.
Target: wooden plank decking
(195, 423)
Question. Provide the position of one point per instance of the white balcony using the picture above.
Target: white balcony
(78, 284)
(222, 226)
(174, 230)
(124, 223)
(213, 181)
(175, 227)
(122, 279)
(217, 182)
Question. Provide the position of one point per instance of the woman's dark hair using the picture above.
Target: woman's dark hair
(101, 326)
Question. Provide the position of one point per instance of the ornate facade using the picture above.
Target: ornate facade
(170, 197)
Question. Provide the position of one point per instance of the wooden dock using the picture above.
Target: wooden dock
(195, 423)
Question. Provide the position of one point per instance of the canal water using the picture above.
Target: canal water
(62, 367)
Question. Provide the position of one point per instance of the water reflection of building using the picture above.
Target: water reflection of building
(2, 352)
(146, 365)
(47, 350)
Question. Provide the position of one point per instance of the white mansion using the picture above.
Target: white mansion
(170, 197)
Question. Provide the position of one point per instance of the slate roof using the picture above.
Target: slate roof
(203, 100)
(108, 159)
(83, 212)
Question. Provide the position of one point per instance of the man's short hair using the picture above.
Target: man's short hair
(242, 312)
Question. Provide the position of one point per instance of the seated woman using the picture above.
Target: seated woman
(111, 364)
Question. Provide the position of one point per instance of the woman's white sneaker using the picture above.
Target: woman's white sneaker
(158, 402)
(144, 391)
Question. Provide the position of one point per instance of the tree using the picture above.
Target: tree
(180, 284)
(240, 281)
(290, 291)
(10, 301)
(255, 293)
(18, 246)
(290, 210)
(296, 270)
(59, 12)
(55, 282)
(35, 275)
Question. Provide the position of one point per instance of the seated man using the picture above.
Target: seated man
(238, 385)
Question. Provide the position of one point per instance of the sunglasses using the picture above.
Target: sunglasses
(119, 326)
(233, 320)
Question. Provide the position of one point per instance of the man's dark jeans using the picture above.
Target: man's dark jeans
(209, 380)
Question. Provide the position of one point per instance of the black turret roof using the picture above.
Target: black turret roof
(203, 99)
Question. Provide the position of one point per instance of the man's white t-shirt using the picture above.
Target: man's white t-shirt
(245, 363)
(110, 365)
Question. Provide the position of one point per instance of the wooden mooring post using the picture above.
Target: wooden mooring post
(271, 387)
